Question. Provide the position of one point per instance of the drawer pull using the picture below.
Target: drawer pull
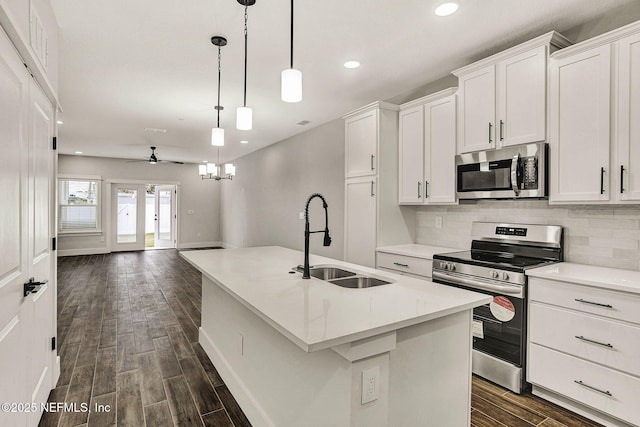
(607, 393)
(593, 342)
(593, 303)
(401, 265)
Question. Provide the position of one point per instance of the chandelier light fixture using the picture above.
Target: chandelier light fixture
(213, 170)
(291, 78)
(244, 114)
(217, 133)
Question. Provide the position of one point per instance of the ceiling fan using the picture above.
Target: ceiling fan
(154, 160)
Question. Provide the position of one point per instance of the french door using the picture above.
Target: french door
(165, 214)
(128, 202)
(28, 361)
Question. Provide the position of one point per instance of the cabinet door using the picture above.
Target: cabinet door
(477, 110)
(361, 137)
(522, 84)
(360, 221)
(440, 150)
(579, 139)
(411, 147)
(628, 166)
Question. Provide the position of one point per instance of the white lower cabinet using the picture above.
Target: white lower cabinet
(405, 264)
(360, 220)
(584, 347)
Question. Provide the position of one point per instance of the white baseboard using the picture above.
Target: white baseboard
(228, 245)
(83, 251)
(198, 245)
(240, 392)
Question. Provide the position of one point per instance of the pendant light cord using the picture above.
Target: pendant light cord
(219, 74)
(291, 34)
(245, 52)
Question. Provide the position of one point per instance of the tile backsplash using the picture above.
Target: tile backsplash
(598, 235)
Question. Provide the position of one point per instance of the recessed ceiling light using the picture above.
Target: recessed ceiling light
(351, 64)
(446, 9)
(303, 122)
(78, 152)
(60, 122)
(244, 142)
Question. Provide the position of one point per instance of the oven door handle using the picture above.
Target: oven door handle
(514, 173)
(517, 291)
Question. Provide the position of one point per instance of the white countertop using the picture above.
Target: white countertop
(315, 314)
(417, 251)
(600, 277)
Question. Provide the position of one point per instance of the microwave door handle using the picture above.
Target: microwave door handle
(514, 173)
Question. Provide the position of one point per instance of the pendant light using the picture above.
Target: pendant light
(217, 133)
(291, 79)
(244, 114)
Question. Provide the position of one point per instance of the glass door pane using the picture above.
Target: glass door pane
(127, 219)
(164, 216)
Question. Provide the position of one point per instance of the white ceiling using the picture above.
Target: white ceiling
(127, 65)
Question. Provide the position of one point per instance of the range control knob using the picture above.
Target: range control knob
(443, 265)
(494, 274)
(505, 276)
(452, 267)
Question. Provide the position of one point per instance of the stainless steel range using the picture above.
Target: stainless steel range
(496, 264)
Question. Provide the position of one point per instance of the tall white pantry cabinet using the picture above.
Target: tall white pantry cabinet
(372, 214)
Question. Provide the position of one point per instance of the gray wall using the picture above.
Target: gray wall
(202, 197)
(261, 205)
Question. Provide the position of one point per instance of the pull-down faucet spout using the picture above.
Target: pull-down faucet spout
(307, 233)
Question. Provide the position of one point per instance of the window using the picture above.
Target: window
(79, 205)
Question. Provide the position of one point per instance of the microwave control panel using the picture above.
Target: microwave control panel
(530, 173)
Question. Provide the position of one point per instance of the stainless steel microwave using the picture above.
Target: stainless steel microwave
(515, 172)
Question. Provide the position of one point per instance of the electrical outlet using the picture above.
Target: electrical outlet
(438, 221)
(370, 384)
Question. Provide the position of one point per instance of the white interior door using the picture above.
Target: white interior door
(165, 216)
(128, 217)
(27, 322)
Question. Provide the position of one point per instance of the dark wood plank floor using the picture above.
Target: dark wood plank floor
(128, 338)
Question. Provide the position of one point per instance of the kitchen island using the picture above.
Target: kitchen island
(298, 352)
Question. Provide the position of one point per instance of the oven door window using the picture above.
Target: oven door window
(485, 176)
(502, 328)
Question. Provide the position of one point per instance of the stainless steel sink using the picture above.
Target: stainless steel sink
(359, 282)
(341, 277)
(329, 273)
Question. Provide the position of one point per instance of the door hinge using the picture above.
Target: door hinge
(54, 243)
(53, 343)
(55, 142)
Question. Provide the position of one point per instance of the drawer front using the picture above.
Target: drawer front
(603, 341)
(606, 390)
(405, 264)
(612, 304)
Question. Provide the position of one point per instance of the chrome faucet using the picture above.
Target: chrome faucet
(307, 233)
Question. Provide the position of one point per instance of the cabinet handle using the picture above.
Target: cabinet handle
(419, 193)
(593, 303)
(501, 134)
(401, 265)
(621, 179)
(490, 126)
(580, 337)
(372, 184)
(608, 393)
(601, 180)
(426, 189)
(372, 159)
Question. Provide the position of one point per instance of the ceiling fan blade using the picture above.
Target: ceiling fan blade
(171, 161)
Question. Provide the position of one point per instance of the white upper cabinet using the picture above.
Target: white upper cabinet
(502, 99)
(361, 139)
(579, 126)
(628, 125)
(477, 110)
(521, 89)
(594, 107)
(427, 148)
(411, 154)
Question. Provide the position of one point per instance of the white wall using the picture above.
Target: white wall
(261, 205)
(202, 197)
